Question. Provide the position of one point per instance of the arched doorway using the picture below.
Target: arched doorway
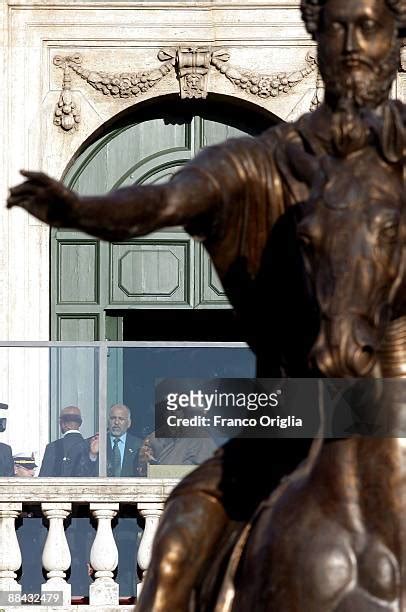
(132, 290)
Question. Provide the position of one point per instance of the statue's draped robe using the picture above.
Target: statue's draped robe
(250, 233)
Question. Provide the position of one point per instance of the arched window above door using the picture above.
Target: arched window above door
(94, 283)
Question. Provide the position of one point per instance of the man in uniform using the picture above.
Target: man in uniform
(237, 199)
(24, 465)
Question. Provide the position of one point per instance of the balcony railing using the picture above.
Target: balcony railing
(56, 499)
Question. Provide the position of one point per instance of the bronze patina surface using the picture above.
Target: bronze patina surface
(316, 209)
(332, 536)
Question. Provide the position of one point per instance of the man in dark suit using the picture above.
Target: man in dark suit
(122, 450)
(6, 460)
(122, 447)
(6, 455)
(68, 456)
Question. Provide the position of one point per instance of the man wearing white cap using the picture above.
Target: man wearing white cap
(24, 465)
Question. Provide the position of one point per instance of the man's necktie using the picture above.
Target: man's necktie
(116, 458)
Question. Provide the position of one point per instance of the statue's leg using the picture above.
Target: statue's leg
(224, 490)
(190, 529)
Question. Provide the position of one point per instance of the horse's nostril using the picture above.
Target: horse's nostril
(368, 350)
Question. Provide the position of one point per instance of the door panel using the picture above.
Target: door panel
(151, 270)
(78, 265)
(214, 132)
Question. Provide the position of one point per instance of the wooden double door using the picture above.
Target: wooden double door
(130, 290)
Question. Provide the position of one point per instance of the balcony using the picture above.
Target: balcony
(56, 501)
(85, 542)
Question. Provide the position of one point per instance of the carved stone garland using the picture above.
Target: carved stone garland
(67, 114)
(191, 65)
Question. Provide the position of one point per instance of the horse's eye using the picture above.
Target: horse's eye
(305, 239)
(389, 232)
(306, 243)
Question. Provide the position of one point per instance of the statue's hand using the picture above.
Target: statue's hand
(43, 197)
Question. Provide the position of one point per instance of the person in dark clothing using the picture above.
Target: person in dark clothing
(68, 456)
(6, 455)
(122, 447)
(6, 460)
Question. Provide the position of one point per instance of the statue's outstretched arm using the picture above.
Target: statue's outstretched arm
(121, 214)
(190, 197)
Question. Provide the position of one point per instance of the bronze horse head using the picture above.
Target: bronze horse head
(353, 244)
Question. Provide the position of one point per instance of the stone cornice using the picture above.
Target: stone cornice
(154, 4)
(84, 490)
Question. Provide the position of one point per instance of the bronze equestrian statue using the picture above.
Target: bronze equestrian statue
(244, 200)
(332, 536)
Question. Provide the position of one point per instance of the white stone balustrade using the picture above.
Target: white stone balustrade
(104, 557)
(10, 555)
(102, 497)
(56, 558)
(152, 513)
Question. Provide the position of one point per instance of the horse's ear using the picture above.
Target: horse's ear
(303, 165)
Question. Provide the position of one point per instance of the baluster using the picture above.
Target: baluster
(104, 557)
(10, 554)
(152, 513)
(56, 558)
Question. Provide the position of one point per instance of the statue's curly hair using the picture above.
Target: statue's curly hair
(311, 10)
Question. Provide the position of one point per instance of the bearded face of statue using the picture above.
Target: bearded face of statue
(358, 51)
